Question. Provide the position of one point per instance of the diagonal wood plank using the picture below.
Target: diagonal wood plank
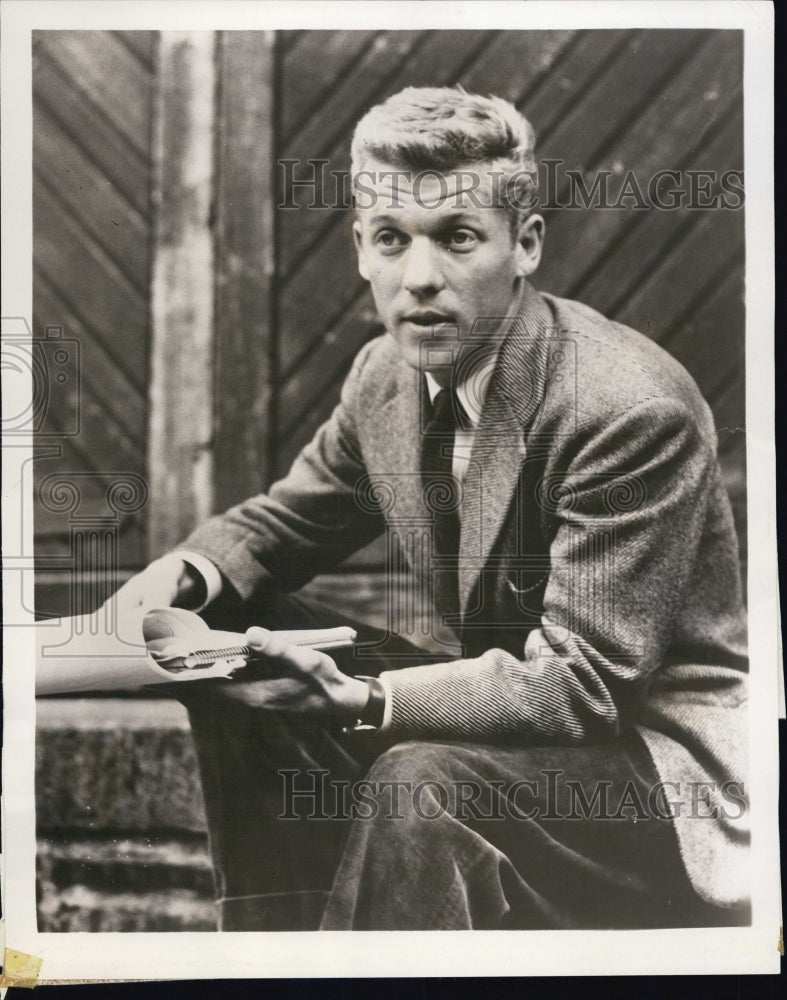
(142, 44)
(561, 91)
(92, 113)
(664, 293)
(665, 137)
(56, 94)
(90, 196)
(310, 381)
(620, 92)
(709, 339)
(77, 266)
(620, 260)
(103, 68)
(516, 62)
(310, 67)
(124, 401)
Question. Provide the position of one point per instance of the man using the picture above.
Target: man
(577, 761)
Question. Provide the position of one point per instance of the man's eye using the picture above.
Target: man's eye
(461, 239)
(388, 239)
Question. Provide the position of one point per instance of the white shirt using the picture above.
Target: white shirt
(471, 393)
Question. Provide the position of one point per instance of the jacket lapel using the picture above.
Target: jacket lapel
(514, 396)
(398, 431)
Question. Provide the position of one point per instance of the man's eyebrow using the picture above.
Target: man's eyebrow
(453, 215)
(385, 220)
(448, 216)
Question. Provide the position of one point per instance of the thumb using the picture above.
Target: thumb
(258, 638)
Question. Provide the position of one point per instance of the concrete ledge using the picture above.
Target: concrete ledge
(116, 764)
(110, 713)
(128, 864)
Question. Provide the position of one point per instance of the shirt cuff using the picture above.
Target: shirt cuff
(209, 573)
(386, 723)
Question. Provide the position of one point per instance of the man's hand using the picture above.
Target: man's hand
(167, 582)
(288, 678)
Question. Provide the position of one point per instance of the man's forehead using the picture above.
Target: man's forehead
(386, 187)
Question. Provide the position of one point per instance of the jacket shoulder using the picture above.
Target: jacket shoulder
(377, 370)
(616, 368)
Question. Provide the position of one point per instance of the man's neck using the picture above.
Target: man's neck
(472, 381)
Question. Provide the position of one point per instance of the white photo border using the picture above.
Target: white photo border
(76, 956)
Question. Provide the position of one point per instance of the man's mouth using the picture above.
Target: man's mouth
(428, 318)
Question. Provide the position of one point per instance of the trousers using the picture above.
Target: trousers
(312, 827)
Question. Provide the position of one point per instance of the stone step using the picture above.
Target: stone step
(116, 764)
(125, 864)
(79, 908)
(125, 884)
(122, 843)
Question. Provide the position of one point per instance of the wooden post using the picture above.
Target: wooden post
(182, 309)
(245, 265)
(213, 270)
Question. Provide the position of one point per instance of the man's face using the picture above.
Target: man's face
(437, 255)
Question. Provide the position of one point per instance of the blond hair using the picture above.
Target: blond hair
(445, 128)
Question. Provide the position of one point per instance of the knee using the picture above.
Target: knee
(413, 762)
(420, 779)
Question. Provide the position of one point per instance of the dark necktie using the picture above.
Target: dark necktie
(442, 492)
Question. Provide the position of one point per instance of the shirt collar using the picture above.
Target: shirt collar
(471, 391)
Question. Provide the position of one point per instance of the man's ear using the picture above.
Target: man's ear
(363, 267)
(530, 243)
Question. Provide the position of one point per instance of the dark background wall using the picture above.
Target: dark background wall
(620, 101)
(92, 245)
(608, 100)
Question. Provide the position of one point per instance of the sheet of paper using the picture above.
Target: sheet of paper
(88, 653)
(82, 654)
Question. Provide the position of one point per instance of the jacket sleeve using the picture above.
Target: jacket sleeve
(626, 516)
(307, 522)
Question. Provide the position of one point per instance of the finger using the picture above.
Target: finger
(263, 641)
(302, 658)
(260, 694)
(258, 638)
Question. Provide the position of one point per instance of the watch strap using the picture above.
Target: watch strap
(374, 712)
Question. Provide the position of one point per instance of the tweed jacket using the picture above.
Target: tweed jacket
(598, 566)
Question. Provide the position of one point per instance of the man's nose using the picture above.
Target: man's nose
(422, 272)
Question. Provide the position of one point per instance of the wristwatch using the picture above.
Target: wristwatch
(374, 711)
